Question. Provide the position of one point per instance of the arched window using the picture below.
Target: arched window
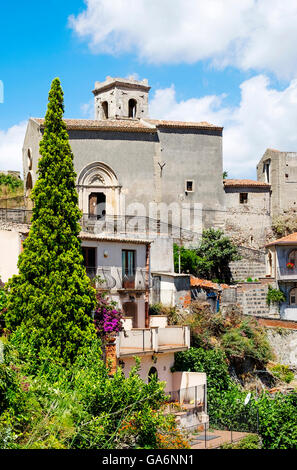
(29, 185)
(152, 373)
(132, 108)
(293, 257)
(293, 296)
(105, 109)
(29, 159)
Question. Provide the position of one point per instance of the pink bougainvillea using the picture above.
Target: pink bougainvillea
(107, 318)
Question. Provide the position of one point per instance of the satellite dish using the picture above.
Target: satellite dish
(247, 398)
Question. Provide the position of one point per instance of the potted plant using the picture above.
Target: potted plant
(290, 265)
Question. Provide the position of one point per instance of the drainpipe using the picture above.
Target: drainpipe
(147, 278)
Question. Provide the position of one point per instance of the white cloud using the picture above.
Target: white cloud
(265, 117)
(87, 109)
(249, 34)
(11, 143)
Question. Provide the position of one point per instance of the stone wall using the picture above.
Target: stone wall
(252, 264)
(248, 224)
(251, 297)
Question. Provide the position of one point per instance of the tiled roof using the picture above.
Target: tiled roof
(288, 240)
(183, 124)
(104, 238)
(196, 282)
(130, 125)
(126, 125)
(253, 183)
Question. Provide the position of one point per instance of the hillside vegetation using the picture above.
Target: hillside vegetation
(11, 191)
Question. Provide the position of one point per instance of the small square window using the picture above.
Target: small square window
(243, 198)
(190, 186)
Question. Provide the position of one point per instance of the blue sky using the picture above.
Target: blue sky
(203, 63)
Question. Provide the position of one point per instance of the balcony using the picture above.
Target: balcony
(286, 274)
(111, 277)
(152, 340)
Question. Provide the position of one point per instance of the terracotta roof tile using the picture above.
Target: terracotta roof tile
(183, 124)
(239, 182)
(130, 125)
(126, 125)
(289, 239)
(197, 282)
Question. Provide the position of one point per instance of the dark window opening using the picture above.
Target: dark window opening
(97, 205)
(243, 198)
(152, 373)
(132, 108)
(128, 268)
(105, 110)
(190, 186)
(89, 254)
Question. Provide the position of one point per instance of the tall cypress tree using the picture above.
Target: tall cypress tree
(51, 297)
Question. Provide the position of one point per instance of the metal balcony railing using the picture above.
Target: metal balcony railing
(116, 225)
(286, 273)
(112, 277)
(112, 225)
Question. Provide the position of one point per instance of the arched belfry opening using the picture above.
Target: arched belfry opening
(132, 108)
(105, 110)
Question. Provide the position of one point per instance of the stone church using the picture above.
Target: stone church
(129, 164)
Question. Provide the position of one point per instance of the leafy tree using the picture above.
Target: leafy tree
(211, 259)
(218, 249)
(51, 296)
(225, 174)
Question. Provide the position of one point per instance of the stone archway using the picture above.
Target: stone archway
(98, 182)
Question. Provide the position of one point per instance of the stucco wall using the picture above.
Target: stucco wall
(163, 365)
(10, 247)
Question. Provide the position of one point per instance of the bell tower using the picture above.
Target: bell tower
(121, 98)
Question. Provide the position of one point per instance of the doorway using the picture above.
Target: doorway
(130, 310)
(97, 205)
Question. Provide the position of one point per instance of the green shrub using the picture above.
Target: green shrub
(155, 309)
(211, 259)
(248, 442)
(45, 405)
(213, 362)
(275, 296)
(282, 372)
(11, 182)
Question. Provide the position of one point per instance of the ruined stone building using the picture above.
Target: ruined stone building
(279, 169)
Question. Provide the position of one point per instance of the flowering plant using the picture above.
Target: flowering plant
(107, 318)
(290, 265)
